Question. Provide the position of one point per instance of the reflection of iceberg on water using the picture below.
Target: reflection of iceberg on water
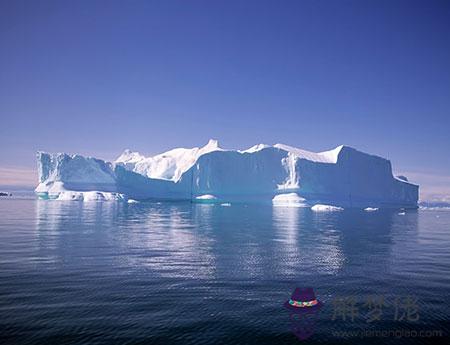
(296, 230)
(176, 240)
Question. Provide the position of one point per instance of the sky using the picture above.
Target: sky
(97, 77)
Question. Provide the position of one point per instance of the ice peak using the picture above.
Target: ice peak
(255, 148)
(212, 144)
(129, 156)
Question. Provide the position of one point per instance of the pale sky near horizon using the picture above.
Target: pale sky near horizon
(96, 77)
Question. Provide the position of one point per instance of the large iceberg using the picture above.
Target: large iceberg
(343, 177)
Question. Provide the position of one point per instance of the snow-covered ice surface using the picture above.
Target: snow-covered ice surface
(330, 156)
(281, 174)
(326, 208)
(169, 165)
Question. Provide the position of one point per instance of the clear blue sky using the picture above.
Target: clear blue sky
(96, 77)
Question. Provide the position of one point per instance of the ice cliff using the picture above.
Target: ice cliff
(341, 177)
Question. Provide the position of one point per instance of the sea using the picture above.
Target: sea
(183, 273)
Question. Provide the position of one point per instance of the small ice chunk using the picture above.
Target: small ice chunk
(326, 208)
(206, 199)
(371, 209)
(225, 204)
(289, 200)
(132, 201)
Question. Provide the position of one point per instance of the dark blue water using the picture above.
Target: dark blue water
(181, 273)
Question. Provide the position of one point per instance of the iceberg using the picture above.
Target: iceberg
(281, 174)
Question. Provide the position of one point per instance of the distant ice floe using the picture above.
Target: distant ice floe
(371, 209)
(437, 208)
(326, 208)
(434, 206)
(289, 200)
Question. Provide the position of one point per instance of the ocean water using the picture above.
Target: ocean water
(182, 273)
